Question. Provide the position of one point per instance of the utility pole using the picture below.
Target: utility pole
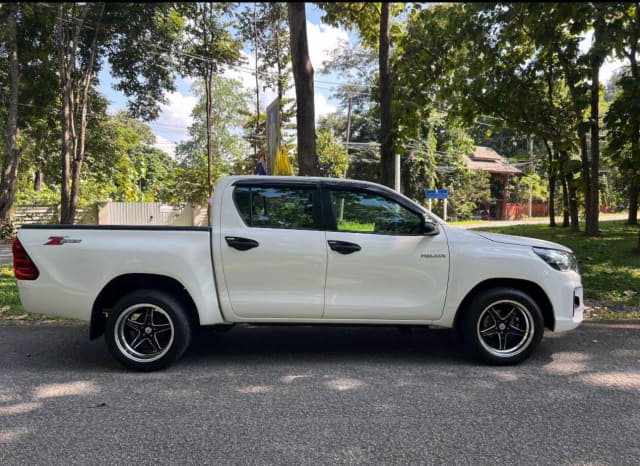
(349, 121)
(348, 129)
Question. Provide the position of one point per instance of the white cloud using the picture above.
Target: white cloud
(175, 117)
(322, 40)
(244, 72)
(165, 145)
(609, 67)
(172, 125)
(322, 106)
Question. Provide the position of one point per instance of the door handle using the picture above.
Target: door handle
(241, 244)
(344, 247)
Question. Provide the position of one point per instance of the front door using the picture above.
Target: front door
(380, 265)
(274, 258)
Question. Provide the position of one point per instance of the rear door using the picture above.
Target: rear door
(380, 265)
(273, 255)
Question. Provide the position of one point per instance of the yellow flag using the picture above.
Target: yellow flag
(282, 165)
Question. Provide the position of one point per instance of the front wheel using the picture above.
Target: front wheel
(502, 326)
(148, 330)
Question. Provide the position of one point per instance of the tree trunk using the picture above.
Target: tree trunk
(552, 186)
(593, 207)
(505, 198)
(387, 156)
(348, 133)
(634, 186)
(570, 196)
(38, 180)
(565, 202)
(584, 165)
(66, 59)
(303, 78)
(10, 170)
(208, 83)
(632, 219)
(584, 150)
(255, 48)
(74, 81)
(552, 199)
(573, 205)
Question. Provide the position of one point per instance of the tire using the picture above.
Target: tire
(502, 326)
(148, 330)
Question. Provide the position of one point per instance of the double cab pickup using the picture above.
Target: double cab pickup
(298, 250)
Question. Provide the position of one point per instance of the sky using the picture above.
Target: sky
(171, 127)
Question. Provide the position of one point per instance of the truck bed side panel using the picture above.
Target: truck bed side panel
(73, 274)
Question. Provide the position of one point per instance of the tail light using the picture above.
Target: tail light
(23, 266)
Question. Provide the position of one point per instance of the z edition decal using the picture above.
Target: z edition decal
(60, 240)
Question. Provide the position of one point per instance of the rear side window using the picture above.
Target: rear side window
(275, 207)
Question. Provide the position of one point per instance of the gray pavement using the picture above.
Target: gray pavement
(303, 395)
(5, 254)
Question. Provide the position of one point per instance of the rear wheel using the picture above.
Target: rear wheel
(148, 330)
(502, 326)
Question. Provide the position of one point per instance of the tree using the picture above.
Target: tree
(332, 160)
(623, 118)
(219, 130)
(37, 102)
(264, 26)
(134, 37)
(248, 27)
(374, 23)
(275, 54)
(229, 111)
(9, 173)
(207, 49)
(303, 77)
(481, 59)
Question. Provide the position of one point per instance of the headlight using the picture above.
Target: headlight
(559, 260)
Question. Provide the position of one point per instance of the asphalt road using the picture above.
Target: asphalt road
(302, 395)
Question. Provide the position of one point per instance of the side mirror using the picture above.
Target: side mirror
(429, 227)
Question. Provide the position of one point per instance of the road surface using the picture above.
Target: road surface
(303, 395)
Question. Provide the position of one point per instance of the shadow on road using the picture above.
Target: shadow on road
(310, 345)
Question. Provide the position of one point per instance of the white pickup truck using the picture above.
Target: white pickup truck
(298, 250)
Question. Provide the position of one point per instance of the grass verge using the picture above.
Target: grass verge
(609, 264)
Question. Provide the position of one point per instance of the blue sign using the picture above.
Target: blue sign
(437, 193)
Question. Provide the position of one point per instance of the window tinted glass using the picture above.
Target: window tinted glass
(369, 212)
(277, 207)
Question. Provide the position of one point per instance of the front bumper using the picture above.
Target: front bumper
(569, 308)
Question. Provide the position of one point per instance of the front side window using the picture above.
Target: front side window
(366, 212)
(275, 207)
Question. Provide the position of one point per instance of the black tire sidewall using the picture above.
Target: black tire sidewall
(473, 311)
(183, 328)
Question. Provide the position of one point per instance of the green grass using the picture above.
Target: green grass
(346, 225)
(9, 299)
(609, 264)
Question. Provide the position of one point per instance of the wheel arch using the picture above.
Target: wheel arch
(530, 288)
(127, 283)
